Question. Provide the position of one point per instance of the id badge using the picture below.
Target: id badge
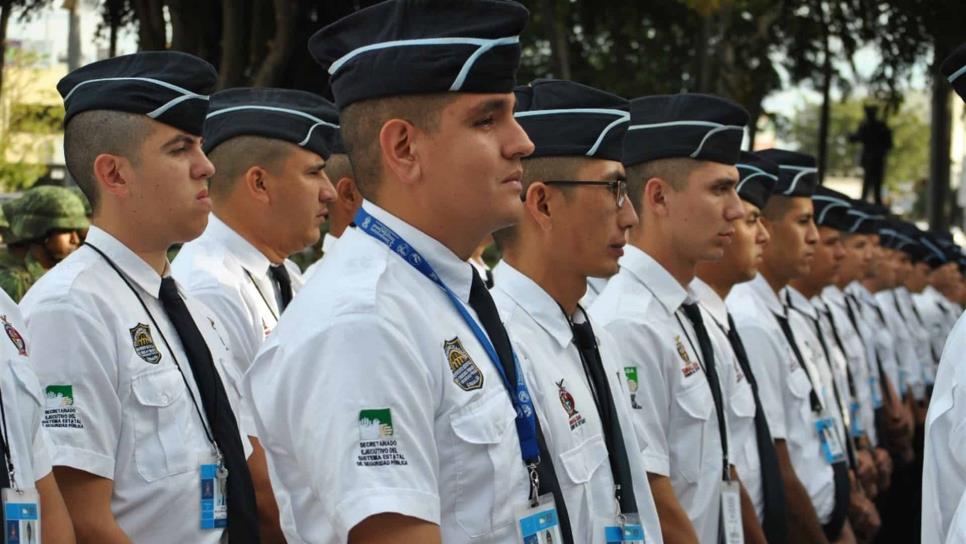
(856, 428)
(214, 496)
(831, 445)
(21, 516)
(626, 531)
(734, 532)
(876, 393)
(539, 524)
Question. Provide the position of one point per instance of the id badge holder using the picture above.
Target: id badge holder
(627, 529)
(214, 496)
(539, 524)
(734, 531)
(831, 445)
(876, 393)
(856, 428)
(21, 516)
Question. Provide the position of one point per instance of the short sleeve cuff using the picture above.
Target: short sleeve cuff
(408, 502)
(41, 454)
(656, 463)
(88, 461)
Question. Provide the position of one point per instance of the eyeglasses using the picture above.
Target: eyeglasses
(616, 186)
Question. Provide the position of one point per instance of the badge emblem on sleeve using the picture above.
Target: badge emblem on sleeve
(570, 406)
(14, 335)
(465, 372)
(144, 344)
(690, 367)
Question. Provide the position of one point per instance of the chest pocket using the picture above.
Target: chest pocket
(161, 411)
(690, 438)
(580, 463)
(484, 426)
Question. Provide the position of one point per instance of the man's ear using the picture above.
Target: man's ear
(398, 150)
(255, 182)
(655, 196)
(537, 204)
(113, 174)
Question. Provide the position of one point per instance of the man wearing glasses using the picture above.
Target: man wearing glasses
(575, 216)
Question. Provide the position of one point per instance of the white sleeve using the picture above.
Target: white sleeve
(768, 360)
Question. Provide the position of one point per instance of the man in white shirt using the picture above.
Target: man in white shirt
(573, 224)
(680, 152)
(147, 444)
(762, 320)
(420, 426)
(755, 459)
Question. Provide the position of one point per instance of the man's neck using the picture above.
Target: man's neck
(721, 286)
(565, 288)
(680, 268)
(775, 280)
(250, 233)
(807, 289)
(152, 252)
(459, 240)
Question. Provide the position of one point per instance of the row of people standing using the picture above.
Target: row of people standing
(708, 394)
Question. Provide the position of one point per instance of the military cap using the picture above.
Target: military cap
(403, 47)
(302, 118)
(831, 208)
(797, 172)
(43, 209)
(936, 256)
(167, 86)
(757, 178)
(954, 69)
(563, 118)
(696, 126)
(862, 218)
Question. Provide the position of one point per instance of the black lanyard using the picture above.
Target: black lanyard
(5, 442)
(205, 424)
(260, 294)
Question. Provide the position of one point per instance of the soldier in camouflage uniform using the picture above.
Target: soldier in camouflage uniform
(45, 226)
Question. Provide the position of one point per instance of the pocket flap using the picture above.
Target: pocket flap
(485, 421)
(799, 384)
(581, 462)
(159, 389)
(743, 401)
(696, 401)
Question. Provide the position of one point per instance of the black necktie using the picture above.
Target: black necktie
(693, 313)
(620, 466)
(482, 304)
(284, 283)
(790, 338)
(242, 513)
(772, 489)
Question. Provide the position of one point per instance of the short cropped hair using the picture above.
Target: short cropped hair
(675, 171)
(96, 132)
(233, 157)
(362, 121)
(338, 167)
(776, 208)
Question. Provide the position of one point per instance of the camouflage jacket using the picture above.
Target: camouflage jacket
(17, 275)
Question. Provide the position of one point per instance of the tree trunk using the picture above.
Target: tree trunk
(939, 141)
(234, 43)
(151, 30)
(270, 73)
(557, 36)
(754, 113)
(182, 36)
(5, 5)
(824, 116)
(702, 79)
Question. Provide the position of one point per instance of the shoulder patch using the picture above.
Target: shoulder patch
(144, 344)
(465, 372)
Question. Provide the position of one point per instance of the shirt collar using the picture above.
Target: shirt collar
(454, 272)
(251, 259)
(711, 302)
(133, 266)
(762, 288)
(655, 278)
(328, 242)
(532, 299)
(834, 295)
(859, 291)
(798, 301)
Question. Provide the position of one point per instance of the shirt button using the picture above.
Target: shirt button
(164, 398)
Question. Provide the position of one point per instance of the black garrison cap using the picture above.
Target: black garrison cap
(564, 118)
(697, 126)
(797, 172)
(863, 219)
(402, 47)
(954, 69)
(167, 86)
(831, 208)
(936, 256)
(757, 178)
(299, 117)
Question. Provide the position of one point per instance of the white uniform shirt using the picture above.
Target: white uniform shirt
(944, 461)
(907, 356)
(23, 400)
(116, 404)
(595, 286)
(543, 340)
(883, 345)
(231, 277)
(640, 308)
(754, 306)
(833, 302)
(933, 308)
(415, 418)
(741, 402)
(328, 242)
(920, 335)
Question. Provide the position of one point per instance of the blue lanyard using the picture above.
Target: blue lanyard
(526, 421)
